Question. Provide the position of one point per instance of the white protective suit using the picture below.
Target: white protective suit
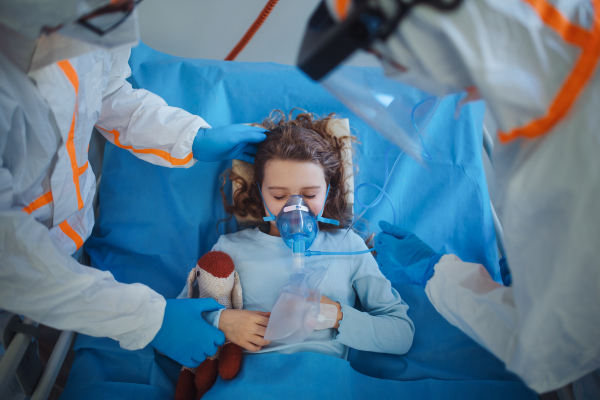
(46, 186)
(535, 62)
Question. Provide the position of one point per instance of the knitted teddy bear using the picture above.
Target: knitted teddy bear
(217, 279)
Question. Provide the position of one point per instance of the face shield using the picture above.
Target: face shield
(107, 28)
(333, 34)
(41, 34)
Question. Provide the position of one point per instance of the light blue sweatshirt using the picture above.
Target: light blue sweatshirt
(264, 264)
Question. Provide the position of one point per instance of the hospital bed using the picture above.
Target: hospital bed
(154, 223)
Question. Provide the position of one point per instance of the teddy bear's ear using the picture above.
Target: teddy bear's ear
(191, 279)
(236, 295)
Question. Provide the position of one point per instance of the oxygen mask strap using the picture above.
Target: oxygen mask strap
(271, 217)
(327, 220)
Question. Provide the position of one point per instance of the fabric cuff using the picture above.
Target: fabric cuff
(448, 258)
(348, 314)
(445, 259)
(436, 258)
(433, 260)
(213, 317)
(153, 315)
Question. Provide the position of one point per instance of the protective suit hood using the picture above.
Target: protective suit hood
(23, 41)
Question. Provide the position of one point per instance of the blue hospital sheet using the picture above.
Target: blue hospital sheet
(156, 222)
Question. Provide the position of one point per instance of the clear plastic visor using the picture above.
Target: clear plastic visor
(398, 112)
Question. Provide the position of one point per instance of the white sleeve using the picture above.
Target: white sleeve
(39, 280)
(465, 294)
(143, 123)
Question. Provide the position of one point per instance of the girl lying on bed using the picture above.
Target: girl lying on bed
(299, 157)
(303, 157)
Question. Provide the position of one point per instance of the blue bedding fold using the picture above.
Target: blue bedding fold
(294, 376)
(316, 376)
(156, 222)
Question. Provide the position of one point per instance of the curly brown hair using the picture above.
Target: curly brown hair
(304, 138)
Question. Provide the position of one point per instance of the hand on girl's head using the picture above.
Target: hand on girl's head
(245, 328)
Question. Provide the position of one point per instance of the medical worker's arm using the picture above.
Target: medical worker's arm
(143, 123)
(39, 280)
(383, 326)
(465, 294)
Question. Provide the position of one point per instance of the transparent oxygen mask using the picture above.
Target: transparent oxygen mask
(298, 227)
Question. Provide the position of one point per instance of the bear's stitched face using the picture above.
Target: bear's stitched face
(217, 288)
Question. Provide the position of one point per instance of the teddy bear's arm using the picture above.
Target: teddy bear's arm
(236, 295)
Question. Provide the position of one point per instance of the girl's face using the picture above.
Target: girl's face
(283, 179)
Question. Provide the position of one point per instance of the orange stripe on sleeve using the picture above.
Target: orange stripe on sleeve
(73, 158)
(577, 79)
(69, 71)
(41, 201)
(70, 232)
(82, 169)
(552, 17)
(159, 153)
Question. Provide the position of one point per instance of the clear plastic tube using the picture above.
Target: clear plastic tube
(309, 253)
(298, 260)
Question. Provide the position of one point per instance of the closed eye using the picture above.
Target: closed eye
(310, 197)
(279, 198)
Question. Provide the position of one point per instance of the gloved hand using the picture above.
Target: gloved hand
(184, 335)
(228, 142)
(398, 248)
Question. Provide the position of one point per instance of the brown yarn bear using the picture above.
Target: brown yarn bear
(217, 279)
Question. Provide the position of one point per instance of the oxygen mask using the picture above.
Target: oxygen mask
(297, 224)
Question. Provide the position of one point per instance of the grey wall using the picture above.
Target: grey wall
(210, 29)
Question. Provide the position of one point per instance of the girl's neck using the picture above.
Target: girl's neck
(273, 231)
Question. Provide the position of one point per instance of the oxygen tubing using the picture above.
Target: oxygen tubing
(382, 193)
(382, 190)
(309, 253)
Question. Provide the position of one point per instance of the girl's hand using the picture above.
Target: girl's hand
(245, 328)
(340, 315)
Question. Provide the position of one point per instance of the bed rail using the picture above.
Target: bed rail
(14, 355)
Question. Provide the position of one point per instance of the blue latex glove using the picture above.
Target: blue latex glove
(227, 143)
(402, 253)
(184, 335)
(505, 272)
